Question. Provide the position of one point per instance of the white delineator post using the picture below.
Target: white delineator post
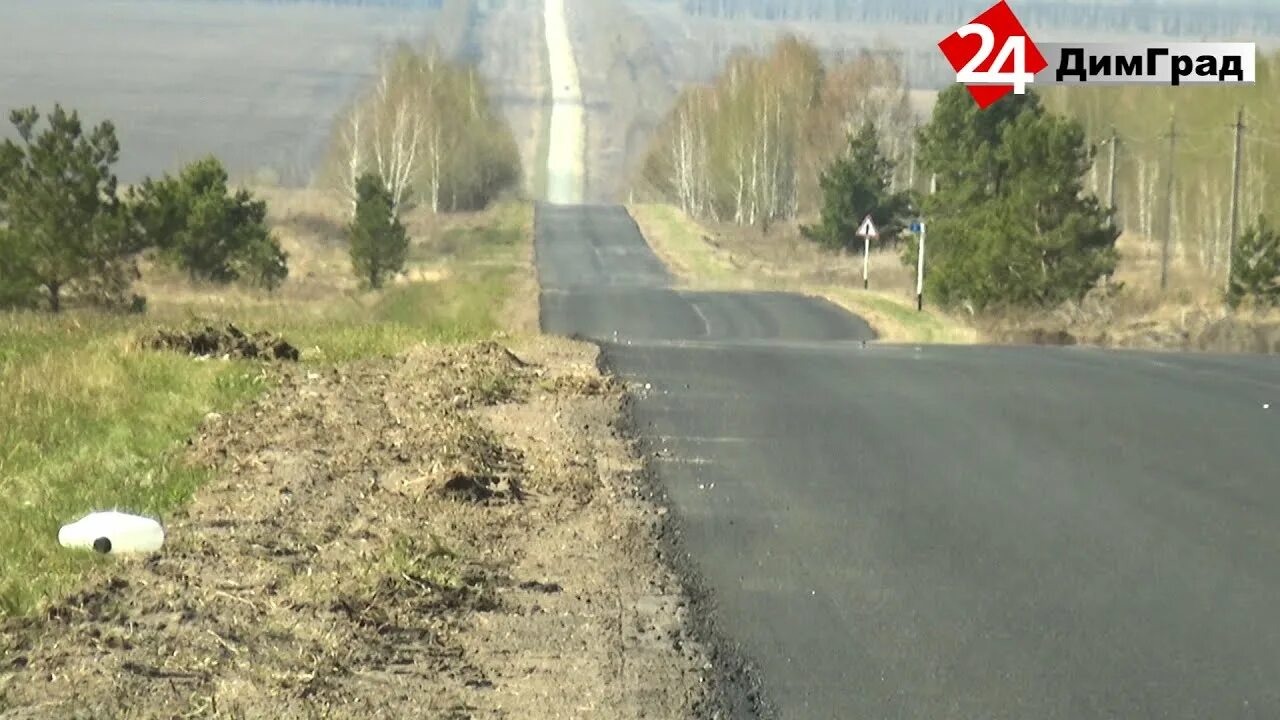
(866, 231)
(920, 272)
(866, 262)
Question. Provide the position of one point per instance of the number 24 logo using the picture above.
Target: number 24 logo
(1015, 45)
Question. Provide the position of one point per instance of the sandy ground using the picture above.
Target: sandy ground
(455, 532)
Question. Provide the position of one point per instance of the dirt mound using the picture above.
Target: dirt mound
(587, 385)
(367, 548)
(227, 341)
(477, 375)
(482, 488)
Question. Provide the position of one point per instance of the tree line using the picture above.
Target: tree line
(748, 147)
(1011, 194)
(427, 128)
(67, 228)
(1174, 150)
(423, 135)
(1176, 19)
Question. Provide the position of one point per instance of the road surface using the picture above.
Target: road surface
(566, 152)
(947, 532)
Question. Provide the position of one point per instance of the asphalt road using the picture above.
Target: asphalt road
(566, 152)
(947, 532)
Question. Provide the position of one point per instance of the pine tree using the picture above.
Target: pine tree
(1009, 223)
(18, 287)
(855, 185)
(379, 243)
(62, 225)
(1255, 267)
(200, 226)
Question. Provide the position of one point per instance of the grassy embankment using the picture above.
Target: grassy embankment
(729, 263)
(92, 422)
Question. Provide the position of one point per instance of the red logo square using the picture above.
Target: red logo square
(959, 51)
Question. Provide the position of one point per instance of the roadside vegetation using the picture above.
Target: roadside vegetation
(749, 148)
(1023, 242)
(858, 184)
(427, 128)
(198, 225)
(732, 259)
(1173, 152)
(1012, 227)
(358, 482)
(379, 243)
(67, 232)
(93, 417)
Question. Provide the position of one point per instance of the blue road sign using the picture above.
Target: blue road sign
(917, 227)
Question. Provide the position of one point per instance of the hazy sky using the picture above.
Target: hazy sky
(258, 83)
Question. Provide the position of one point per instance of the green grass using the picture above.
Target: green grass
(924, 325)
(90, 422)
(680, 241)
(542, 154)
(898, 321)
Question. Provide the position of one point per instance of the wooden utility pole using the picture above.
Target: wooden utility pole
(1235, 193)
(1111, 182)
(1168, 192)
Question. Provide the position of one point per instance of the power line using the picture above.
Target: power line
(1159, 140)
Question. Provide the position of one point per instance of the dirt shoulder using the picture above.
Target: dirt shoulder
(451, 532)
(706, 259)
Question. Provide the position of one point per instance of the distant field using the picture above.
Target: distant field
(257, 84)
(698, 45)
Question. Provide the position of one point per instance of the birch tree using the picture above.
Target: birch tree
(426, 127)
(749, 147)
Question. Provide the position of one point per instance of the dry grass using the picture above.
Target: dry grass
(433, 535)
(1132, 311)
(457, 266)
(90, 420)
(736, 259)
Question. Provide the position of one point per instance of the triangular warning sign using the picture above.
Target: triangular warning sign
(867, 229)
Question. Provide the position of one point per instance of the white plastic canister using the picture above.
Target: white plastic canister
(113, 532)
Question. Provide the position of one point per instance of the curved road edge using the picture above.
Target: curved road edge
(737, 690)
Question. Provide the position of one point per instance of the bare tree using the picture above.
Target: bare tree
(399, 122)
(351, 145)
(750, 146)
(1146, 192)
(426, 127)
